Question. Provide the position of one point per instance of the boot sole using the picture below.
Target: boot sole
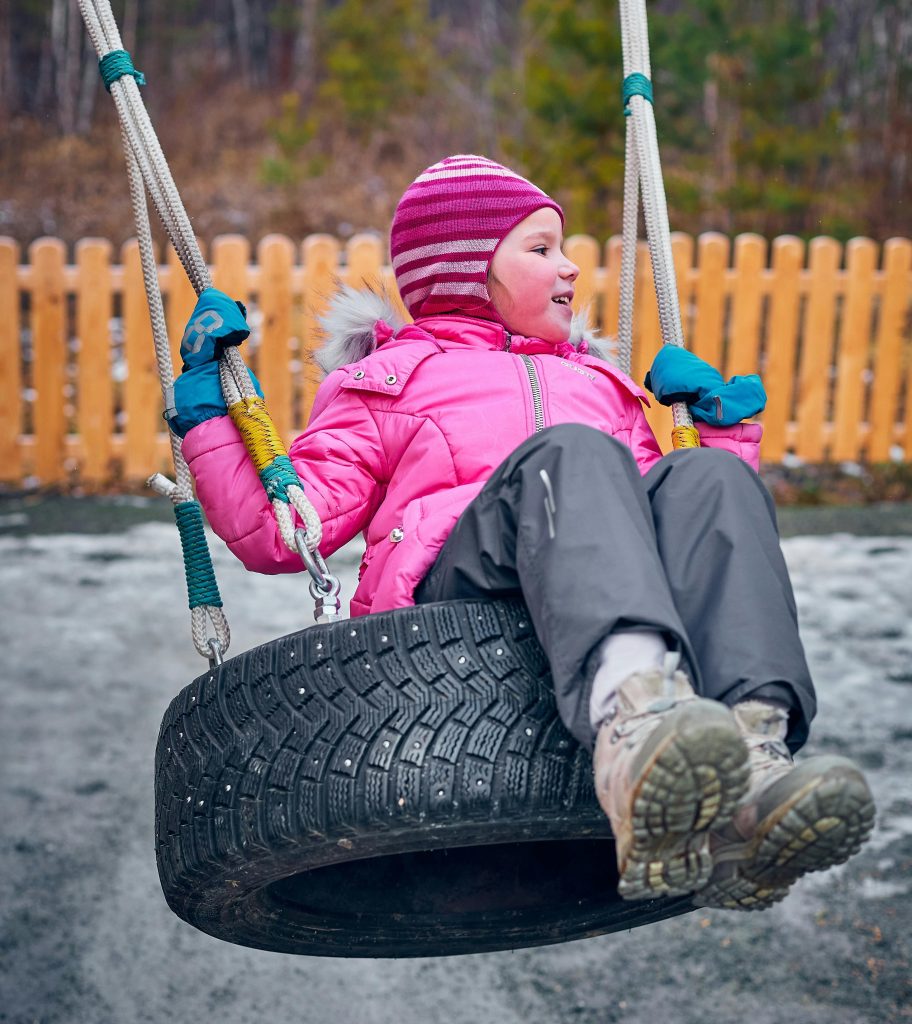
(696, 774)
(823, 822)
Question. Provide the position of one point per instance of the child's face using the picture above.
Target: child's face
(532, 280)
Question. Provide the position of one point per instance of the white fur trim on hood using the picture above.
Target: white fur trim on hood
(349, 321)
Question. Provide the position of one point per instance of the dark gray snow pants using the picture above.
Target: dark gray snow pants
(691, 551)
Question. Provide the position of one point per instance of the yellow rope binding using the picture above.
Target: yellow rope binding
(258, 431)
(267, 450)
(685, 437)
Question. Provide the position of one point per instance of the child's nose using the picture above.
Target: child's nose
(569, 271)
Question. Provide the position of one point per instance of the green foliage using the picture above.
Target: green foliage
(742, 87)
(772, 116)
(746, 139)
(571, 126)
(377, 57)
(291, 131)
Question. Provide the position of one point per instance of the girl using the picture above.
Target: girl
(489, 448)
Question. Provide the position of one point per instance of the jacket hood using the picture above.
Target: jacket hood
(358, 320)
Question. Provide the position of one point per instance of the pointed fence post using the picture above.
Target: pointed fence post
(11, 408)
(49, 359)
(854, 347)
(94, 383)
(782, 340)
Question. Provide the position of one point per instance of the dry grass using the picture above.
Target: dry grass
(76, 187)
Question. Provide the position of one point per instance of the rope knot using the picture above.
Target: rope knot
(115, 65)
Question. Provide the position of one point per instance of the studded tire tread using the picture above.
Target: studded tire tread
(413, 730)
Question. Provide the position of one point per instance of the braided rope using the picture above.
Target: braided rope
(148, 171)
(643, 153)
(104, 35)
(628, 252)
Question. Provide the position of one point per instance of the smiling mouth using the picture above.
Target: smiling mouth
(562, 300)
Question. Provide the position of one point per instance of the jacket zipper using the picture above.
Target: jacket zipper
(536, 393)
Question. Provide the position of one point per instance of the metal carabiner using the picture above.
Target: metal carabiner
(313, 561)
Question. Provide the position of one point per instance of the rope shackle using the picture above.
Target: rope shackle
(115, 65)
(635, 85)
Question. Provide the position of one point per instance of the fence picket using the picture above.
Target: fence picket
(747, 304)
(611, 298)
(49, 358)
(854, 345)
(180, 298)
(817, 347)
(584, 252)
(230, 259)
(142, 400)
(94, 382)
(275, 255)
(682, 253)
(321, 261)
(709, 294)
(782, 339)
(11, 426)
(364, 261)
(894, 326)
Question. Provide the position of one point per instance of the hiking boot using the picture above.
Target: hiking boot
(794, 819)
(667, 764)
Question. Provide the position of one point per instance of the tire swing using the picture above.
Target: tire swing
(393, 785)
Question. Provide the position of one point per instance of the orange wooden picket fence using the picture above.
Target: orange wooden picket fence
(827, 326)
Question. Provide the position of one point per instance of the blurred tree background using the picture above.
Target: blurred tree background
(312, 115)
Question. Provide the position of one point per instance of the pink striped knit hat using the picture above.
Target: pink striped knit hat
(446, 228)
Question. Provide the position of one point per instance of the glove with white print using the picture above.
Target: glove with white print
(216, 322)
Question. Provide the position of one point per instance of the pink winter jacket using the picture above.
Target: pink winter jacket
(401, 440)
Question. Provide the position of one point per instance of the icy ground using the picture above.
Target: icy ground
(95, 642)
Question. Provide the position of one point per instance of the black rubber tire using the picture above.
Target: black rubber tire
(393, 785)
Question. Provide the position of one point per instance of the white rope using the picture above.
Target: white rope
(645, 169)
(628, 251)
(182, 490)
(148, 170)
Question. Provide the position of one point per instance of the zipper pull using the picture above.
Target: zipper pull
(508, 342)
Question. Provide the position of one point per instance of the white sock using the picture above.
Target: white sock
(620, 656)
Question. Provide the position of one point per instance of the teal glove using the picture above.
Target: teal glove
(679, 376)
(216, 322)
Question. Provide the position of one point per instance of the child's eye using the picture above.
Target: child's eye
(541, 249)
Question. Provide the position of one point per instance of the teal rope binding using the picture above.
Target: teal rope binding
(201, 586)
(278, 476)
(115, 65)
(635, 85)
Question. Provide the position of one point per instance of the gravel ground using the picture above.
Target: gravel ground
(96, 642)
